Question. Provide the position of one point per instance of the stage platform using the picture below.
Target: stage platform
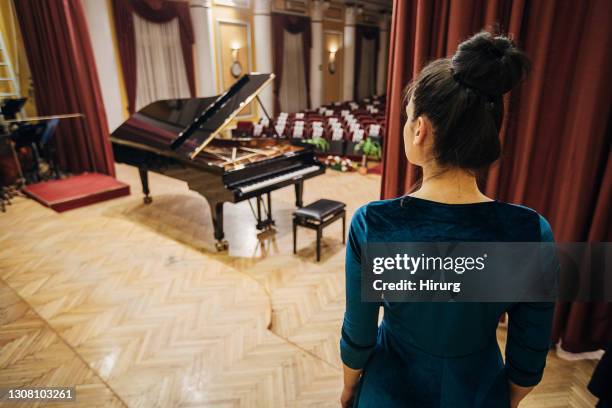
(76, 191)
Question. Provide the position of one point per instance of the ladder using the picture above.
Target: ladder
(7, 74)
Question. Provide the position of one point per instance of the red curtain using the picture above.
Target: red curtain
(66, 81)
(556, 143)
(156, 11)
(295, 25)
(368, 33)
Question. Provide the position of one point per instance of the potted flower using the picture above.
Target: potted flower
(370, 149)
(320, 144)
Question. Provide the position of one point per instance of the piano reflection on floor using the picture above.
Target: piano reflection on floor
(180, 138)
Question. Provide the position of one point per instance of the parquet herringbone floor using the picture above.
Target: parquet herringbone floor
(131, 304)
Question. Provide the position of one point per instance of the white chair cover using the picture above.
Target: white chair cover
(337, 134)
(298, 131)
(374, 130)
(257, 129)
(358, 135)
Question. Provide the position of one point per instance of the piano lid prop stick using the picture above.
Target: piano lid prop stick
(268, 116)
(207, 114)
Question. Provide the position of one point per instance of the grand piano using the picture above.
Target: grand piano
(181, 138)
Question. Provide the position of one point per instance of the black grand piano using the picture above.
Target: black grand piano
(180, 138)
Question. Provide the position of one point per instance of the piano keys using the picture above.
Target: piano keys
(180, 138)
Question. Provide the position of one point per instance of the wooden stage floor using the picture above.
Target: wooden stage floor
(131, 304)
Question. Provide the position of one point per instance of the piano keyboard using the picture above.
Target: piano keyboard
(278, 179)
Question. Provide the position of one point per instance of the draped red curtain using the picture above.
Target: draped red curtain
(294, 25)
(368, 33)
(556, 143)
(156, 11)
(66, 81)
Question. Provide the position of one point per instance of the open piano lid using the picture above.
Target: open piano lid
(184, 127)
(219, 114)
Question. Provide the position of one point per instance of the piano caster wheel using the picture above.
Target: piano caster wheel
(147, 199)
(221, 245)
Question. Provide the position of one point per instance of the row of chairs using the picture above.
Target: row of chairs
(331, 132)
(351, 121)
(308, 130)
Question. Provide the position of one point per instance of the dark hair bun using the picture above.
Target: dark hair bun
(489, 64)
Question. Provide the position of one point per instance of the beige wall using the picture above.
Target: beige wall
(332, 82)
(333, 32)
(234, 26)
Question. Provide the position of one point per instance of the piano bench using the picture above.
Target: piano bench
(317, 216)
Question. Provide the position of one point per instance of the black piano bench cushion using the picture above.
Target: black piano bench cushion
(319, 209)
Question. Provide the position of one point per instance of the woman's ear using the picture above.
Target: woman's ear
(420, 131)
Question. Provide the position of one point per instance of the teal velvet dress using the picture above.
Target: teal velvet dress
(441, 354)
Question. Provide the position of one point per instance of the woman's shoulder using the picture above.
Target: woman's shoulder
(520, 223)
(516, 213)
(523, 209)
(377, 208)
(379, 215)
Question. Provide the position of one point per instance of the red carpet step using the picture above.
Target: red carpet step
(76, 191)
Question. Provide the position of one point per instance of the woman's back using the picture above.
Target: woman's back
(446, 354)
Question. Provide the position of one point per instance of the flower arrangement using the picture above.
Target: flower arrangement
(340, 164)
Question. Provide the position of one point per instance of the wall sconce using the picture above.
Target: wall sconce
(236, 67)
(331, 66)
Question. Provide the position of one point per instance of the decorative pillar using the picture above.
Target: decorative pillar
(206, 70)
(316, 54)
(262, 23)
(383, 53)
(349, 53)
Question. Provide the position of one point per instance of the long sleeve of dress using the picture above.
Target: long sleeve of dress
(360, 326)
(529, 333)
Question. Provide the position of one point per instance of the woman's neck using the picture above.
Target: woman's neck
(451, 186)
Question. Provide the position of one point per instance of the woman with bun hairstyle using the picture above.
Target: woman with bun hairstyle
(446, 354)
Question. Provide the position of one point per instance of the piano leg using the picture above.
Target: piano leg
(216, 210)
(144, 179)
(269, 219)
(299, 189)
